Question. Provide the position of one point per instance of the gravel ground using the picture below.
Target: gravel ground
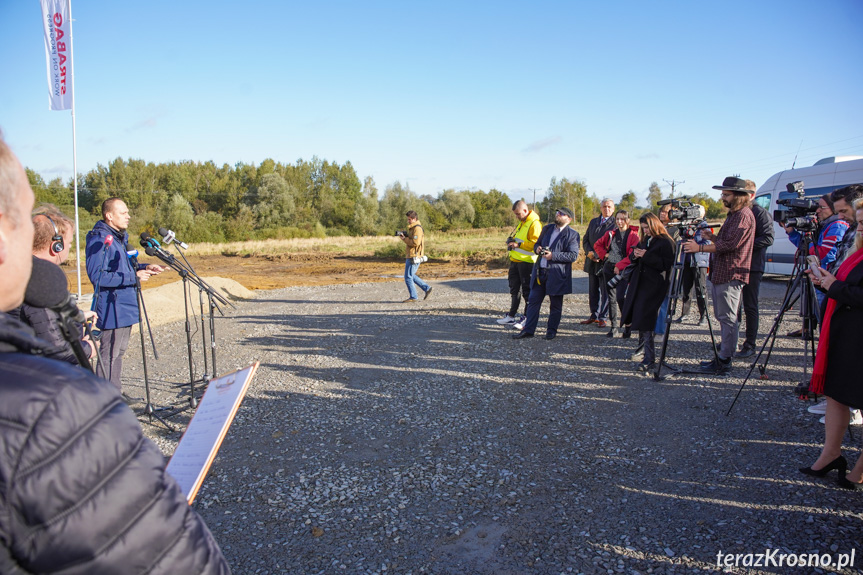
(420, 438)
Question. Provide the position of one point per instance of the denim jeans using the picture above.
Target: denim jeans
(411, 278)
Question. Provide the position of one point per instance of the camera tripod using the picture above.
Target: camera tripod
(675, 291)
(809, 310)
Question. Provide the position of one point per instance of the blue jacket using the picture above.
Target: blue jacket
(111, 270)
(564, 251)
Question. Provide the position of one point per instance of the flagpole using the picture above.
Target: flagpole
(74, 152)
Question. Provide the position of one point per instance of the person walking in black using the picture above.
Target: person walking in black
(596, 286)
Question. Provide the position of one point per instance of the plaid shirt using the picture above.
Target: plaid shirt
(734, 243)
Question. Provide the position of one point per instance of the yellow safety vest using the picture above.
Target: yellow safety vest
(524, 252)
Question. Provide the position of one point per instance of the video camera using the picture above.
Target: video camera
(799, 212)
(684, 210)
(689, 215)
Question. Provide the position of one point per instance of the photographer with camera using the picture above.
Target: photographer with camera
(693, 277)
(648, 287)
(843, 200)
(614, 249)
(519, 247)
(729, 270)
(831, 230)
(557, 248)
(413, 239)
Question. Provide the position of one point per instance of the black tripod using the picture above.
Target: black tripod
(675, 292)
(800, 287)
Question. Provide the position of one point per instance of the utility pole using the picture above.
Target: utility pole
(673, 183)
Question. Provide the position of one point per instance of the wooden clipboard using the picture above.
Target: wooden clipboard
(203, 437)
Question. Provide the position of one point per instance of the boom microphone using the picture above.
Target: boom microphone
(169, 236)
(47, 288)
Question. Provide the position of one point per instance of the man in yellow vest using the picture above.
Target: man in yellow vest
(519, 245)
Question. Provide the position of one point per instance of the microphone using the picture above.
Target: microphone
(148, 240)
(159, 253)
(108, 241)
(47, 288)
(169, 236)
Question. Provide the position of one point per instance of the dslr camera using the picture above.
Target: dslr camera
(799, 212)
(401, 233)
(512, 240)
(544, 251)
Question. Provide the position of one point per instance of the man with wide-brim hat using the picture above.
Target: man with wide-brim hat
(729, 266)
(557, 247)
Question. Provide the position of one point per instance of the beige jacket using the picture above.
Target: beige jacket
(414, 240)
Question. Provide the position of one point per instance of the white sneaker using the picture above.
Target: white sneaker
(519, 325)
(819, 408)
(507, 320)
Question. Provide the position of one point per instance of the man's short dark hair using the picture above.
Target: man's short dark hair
(411, 214)
(517, 203)
(848, 193)
(108, 205)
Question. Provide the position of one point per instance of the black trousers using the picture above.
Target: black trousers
(749, 304)
(691, 275)
(519, 285)
(597, 295)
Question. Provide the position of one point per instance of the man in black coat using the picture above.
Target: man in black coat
(749, 296)
(83, 491)
(596, 287)
(557, 248)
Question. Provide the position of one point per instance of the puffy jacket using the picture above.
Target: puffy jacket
(830, 234)
(110, 269)
(603, 244)
(82, 491)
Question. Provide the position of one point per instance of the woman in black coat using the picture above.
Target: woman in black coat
(837, 370)
(648, 285)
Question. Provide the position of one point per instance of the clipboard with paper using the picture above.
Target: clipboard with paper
(203, 437)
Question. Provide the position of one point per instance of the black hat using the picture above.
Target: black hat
(567, 212)
(733, 184)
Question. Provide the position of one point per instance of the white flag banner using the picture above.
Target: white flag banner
(58, 52)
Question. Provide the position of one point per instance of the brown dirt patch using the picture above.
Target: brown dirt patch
(298, 269)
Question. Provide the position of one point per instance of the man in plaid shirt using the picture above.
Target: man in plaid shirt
(729, 266)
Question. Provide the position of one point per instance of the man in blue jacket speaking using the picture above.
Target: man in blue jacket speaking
(113, 273)
(557, 248)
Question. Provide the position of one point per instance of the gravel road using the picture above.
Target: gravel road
(382, 437)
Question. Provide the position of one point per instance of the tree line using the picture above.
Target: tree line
(203, 202)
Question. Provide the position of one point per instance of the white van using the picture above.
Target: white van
(823, 177)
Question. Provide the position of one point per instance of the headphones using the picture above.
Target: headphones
(57, 245)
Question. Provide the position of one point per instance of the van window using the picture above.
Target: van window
(763, 201)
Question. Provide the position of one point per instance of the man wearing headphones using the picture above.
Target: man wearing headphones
(52, 238)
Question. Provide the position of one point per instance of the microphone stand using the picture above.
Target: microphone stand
(188, 274)
(142, 317)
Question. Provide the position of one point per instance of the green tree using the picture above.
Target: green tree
(456, 209)
(654, 195)
(396, 202)
(570, 194)
(176, 214)
(274, 205)
(627, 202)
(366, 211)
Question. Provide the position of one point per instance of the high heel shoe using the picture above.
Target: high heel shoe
(839, 464)
(845, 484)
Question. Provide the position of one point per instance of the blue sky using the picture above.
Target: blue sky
(464, 95)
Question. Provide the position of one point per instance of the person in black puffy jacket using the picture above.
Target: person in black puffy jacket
(82, 491)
